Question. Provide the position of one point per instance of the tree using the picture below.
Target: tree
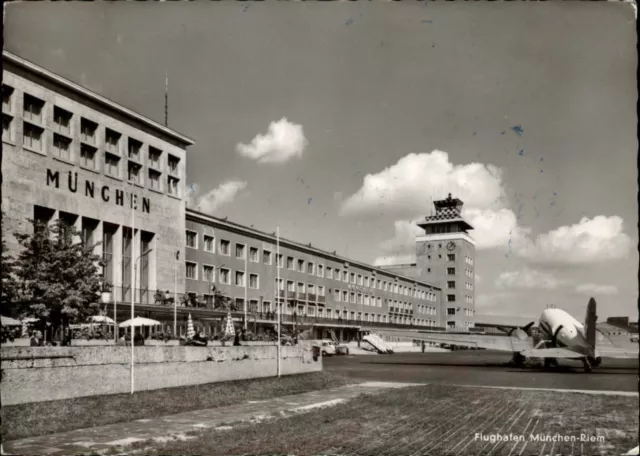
(57, 277)
(7, 292)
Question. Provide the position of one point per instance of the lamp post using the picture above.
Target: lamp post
(133, 328)
(278, 307)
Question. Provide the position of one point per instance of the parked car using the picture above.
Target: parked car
(328, 349)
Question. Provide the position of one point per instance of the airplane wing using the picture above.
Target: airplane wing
(616, 347)
(551, 353)
(501, 343)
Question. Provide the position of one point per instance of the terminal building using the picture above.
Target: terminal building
(119, 178)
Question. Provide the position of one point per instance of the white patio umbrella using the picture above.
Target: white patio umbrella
(139, 321)
(190, 331)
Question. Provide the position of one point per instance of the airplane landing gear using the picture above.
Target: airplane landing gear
(550, 362)
(595, 362)
(587, 364)
(518, 359)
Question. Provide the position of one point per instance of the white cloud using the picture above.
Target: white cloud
(495, 228)
(589, 241)
(527, 279)
(214, 199)
(595, 289)
(408, 187)
(283, 141)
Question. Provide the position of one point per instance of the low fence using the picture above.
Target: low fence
(36, 374)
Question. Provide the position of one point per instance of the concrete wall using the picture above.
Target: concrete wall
(43, 373)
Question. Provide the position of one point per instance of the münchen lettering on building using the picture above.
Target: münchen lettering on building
(116, 196)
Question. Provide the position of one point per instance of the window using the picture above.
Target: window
(451, 271)
(451, 311)
(88, 156)
(360, 279)
(290, 263)
(240, 250)
(225, 276)
(451, 298)
(135, 175)
(112, 141)
(61, 147)
(451, 257)
(310, 268)
(320, 270)
(266, 257)
(192, 239)
(300, 265)
(173, 162)
(451, 284)
(134, 147)
(366, 281)
(7, 97)
(336, 295)
(111, 165)
(207, 273)
(88, 131)
(191, 270)
(6, 128)
(208, 243)
(359, 298)
(280, 260)
(352, 298)
(254, 281)
(239, 279)
(338, 275)
(62, 120)
(224, 247)
(320, 290)
(291, 286)
(154, 157)
(32, 108)
(253, 254)
(173, 187)
(345, 296)
(154, 179)
(353, 277)
(301, 287)
(329, 273)
(32, 137)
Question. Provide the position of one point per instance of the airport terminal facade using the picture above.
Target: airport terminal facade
(119, 178)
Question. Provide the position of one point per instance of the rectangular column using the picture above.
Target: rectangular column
(117, 264)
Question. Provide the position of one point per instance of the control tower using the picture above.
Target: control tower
(445, 254)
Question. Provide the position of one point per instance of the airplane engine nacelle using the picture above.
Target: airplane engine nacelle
(519, 334)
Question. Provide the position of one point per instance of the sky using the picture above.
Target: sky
(342, 122)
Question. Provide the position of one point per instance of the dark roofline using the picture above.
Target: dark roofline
(313, 250)
(101, 100)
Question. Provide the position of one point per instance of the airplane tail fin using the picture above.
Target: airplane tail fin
(590, 323)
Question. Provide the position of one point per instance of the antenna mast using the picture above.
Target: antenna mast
(166, 98)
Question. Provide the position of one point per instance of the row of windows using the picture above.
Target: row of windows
(450, 257)
(452, 311)
(63, 129)
(468, 260)
(468, 273)
(303, 266)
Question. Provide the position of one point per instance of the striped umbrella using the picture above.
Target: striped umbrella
(190, 331)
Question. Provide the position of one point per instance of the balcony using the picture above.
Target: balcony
(321, 299)
(302, 296)
(291, 294)
(312, 297)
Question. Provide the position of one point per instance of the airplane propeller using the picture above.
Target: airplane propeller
(554, 338)
(519, 333)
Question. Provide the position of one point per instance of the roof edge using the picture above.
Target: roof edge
(21, 62)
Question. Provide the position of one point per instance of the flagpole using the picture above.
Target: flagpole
(246, 278)
(278, 307)
(133, 282)
(175, 295)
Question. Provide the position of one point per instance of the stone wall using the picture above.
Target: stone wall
(51, 373)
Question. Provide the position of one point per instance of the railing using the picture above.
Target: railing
(302, 296)
(321, 299)
(312, 297)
